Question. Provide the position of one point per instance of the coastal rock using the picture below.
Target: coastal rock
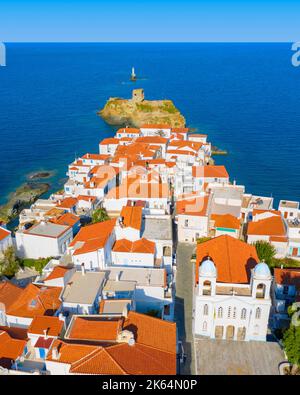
(25, 195)
(137, 111)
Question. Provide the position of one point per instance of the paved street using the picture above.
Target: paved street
(221, 357)
(184, 302)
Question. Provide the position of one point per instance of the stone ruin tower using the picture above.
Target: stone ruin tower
(138, 95)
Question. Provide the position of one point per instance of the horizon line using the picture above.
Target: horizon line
(148, 42)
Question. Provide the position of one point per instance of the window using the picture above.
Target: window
(285, 289)
(207, 288)
(205, 309)
(220, 312)
(260, 291)
(229, 312)
(234, 312)
(258, 313)
(204, 326)
(186, 223)
(243, 314)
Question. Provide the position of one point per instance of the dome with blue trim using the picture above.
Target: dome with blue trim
(208, 268)
(262, 271)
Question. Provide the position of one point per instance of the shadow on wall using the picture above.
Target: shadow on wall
(186, 367)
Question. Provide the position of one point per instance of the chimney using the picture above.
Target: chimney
(63, 319)
(45, 333)
(55, 354)
(82, 269)
(118, 276)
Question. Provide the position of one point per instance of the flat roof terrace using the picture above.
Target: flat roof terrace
(47, 229)
(288, 204)
(158, 228)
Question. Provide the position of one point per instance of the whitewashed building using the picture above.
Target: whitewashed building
(232, 292)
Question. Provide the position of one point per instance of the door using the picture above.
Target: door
(219, 332)
(230, 332)
(295, 252)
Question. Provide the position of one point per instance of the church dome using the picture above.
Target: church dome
(262, 271)
(208, 269)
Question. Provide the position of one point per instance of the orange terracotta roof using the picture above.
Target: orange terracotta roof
(110, 140)
(3, 233)
(153, 353)
(129, 130)
(287, 276)
(143, 360)
(132, 217)
(155, 126)
(10, 349)
(91, 328)
(210, 171)
(68, 202)
(152, 332)
(180, 130)
(36, 301)
(185, 144)
(96, 156)
(67, 219)
(9, 293)
(53, 326)
(70, 353)
(133, 188)
(92, 237)
(142, 246)
(152, 140)
(98, 362)
(233, 258)
(86, 198)
(272, 226)
(279, 239)
(196, 206)
(225, 221)
(57, 272)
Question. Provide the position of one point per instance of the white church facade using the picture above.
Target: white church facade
(232, 293)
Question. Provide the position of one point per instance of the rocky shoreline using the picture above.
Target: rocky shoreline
(24, 196)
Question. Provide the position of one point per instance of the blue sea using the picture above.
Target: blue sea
(245, 96)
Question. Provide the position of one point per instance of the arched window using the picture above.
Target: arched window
(207, 288)
(258, 313)
(229, 312)
(220, 312)
(234, 312)
(204, 326)
(243, 314)
(260, 291)
(205, 309)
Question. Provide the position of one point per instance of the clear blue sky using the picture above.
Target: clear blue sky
(149, 20)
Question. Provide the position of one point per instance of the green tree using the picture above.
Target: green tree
(291, 341)
(99, 215)
(265, 251)
(9, 263)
